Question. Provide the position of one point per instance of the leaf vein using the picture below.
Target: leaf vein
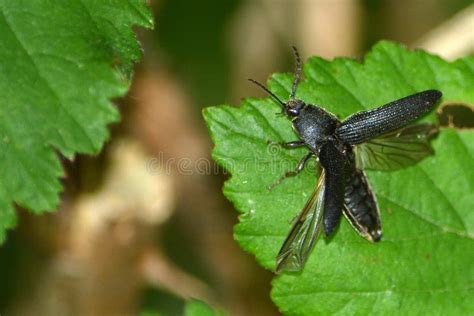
(81, 129)
(429, 221)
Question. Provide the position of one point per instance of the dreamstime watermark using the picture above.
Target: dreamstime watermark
(273, 159)
(184, 166)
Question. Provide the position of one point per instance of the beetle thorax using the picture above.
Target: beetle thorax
(315, 126)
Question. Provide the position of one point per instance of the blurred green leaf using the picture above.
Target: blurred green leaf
(150, 313)
(424, 263)
(198, 48)
(199, 308)
(61, 61)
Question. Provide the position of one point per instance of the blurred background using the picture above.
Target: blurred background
(143, 225)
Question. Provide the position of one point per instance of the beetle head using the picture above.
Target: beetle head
(293, 107)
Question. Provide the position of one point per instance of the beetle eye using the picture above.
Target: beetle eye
(293, 111)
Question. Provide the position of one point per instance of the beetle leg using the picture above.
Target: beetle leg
(288, 145)
(299, 167)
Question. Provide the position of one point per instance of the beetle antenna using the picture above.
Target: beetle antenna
(297, 72)
(268, 91)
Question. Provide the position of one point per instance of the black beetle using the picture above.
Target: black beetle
(376, 139)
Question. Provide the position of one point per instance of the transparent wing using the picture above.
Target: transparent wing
(396, 150)
(304, 233)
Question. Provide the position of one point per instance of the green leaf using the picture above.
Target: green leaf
(424, 263)
(61, 61)
(199, 308)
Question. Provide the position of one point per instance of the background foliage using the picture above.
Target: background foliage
(61, 63)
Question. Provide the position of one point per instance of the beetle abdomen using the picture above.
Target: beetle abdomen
(360, 206)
